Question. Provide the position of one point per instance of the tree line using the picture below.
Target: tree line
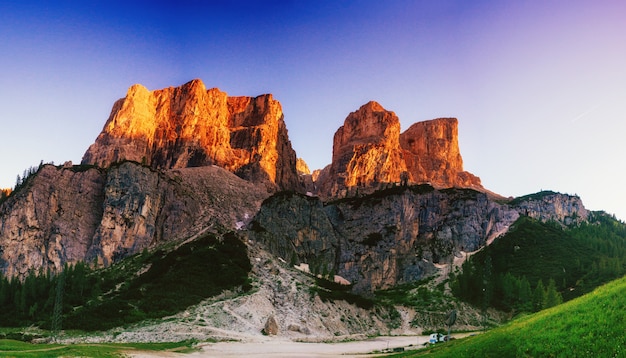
(80, 297)
(538, 265)
(36, 299)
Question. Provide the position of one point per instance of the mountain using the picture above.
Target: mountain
(68, 214)
(175, 166)
(369, 152)
(190, 126)
(144, 181)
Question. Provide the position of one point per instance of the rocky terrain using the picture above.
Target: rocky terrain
(81, 213)
(392, 208)
(190, 126)
(284, 295)
(396, 235)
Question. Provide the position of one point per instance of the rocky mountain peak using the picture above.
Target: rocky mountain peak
(370, 124)
(366, 151)
(432, 154)
(369, 152)
(190, 126)
(302, 167)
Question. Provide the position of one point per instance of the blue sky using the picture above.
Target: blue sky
(539, 87)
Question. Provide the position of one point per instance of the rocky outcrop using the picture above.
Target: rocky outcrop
(432, 155)
(190, 126)
(380, 240)
(271, 326)
(369, 153)
(82, 213)
(366, 151)
(50, 221)
(551, 206)
(396, 235)
(302, 167)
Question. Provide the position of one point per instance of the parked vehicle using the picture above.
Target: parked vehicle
(437, 337)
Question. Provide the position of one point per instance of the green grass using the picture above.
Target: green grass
(592, 325)
(12, 348)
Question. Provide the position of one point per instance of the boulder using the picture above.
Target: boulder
(271, 327)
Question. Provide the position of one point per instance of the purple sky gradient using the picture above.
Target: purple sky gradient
(539, 87)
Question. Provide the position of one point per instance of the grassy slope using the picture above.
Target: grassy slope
(12, 348)
(173, 281)
(590, 326)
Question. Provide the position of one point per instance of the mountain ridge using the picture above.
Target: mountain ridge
(393, 209)
(190, 126)
(145, 180)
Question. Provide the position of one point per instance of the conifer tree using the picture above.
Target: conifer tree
(57, 314)
(539, 296)
(552, 297)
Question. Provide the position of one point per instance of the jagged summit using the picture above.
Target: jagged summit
(190, 126)
(366, 151)
(369, 151)
(432, 154)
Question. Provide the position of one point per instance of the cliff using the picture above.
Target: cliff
(190, 126)
(366, 150)
(397, 235)
(208, 161)
(369, 153)
(432, 155)
(80, 213)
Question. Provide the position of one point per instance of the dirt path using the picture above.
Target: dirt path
(280, 347)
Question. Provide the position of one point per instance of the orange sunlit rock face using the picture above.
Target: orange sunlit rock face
(366, 150)
(369, 152)
(190, 126)
(432, 155)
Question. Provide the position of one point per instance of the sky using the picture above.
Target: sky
(538, 87)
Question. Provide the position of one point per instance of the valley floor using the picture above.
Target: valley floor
(281, 347)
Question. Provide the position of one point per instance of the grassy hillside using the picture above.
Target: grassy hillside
(13, 348)
(590, 326)
(563, 262)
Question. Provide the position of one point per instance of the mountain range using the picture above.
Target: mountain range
(175, 164)
(171, 163)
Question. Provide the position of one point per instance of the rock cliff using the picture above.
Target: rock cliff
(432, 155)
(209, 162)
(82, 213)
(396, 235)
(190, 126)
(369, 152)
(551, 206)
(366, 151)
